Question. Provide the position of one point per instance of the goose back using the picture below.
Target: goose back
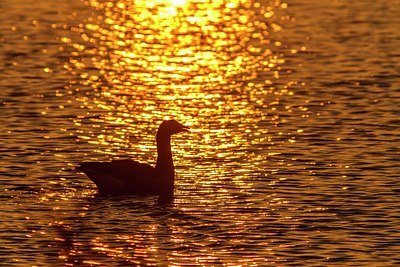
(121, 177)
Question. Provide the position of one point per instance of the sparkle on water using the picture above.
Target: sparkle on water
(291, 158)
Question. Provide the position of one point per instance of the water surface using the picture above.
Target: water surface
(293, 157)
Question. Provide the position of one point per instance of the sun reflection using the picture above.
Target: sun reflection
(186, 59)
(169, 43)
(176, 44)
(214, 65)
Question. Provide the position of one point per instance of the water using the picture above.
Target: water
(293, 157)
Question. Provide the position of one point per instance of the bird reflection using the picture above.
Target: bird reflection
(124, 177)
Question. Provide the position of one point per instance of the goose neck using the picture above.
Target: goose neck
(164, 170)
(164, 154)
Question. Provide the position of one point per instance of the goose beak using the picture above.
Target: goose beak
(185, 128)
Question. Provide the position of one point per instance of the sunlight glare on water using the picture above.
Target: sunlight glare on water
(147, 60)
(291, 159)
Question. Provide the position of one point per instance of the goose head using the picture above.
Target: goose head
(170, 127)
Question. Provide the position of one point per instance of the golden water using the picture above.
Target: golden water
(293, 156)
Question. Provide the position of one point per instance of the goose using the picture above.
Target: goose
(129, 177)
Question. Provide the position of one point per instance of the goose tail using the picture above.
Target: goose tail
(107, 184)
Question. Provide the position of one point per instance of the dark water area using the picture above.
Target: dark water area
(293, 156)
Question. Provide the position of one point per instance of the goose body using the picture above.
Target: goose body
(124, 177)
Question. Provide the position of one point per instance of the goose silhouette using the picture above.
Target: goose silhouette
(128, 177)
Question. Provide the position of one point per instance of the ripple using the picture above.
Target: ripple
(291, 159)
